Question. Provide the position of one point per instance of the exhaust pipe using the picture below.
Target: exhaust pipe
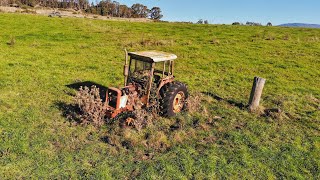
(126, 68)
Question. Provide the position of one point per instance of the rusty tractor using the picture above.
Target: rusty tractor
(149, 83)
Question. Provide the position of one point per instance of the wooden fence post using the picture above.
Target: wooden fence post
(258, 84)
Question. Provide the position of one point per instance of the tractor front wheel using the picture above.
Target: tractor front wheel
(173, 98)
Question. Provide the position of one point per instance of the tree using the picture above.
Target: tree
(4, 3)
(236, 24)
(155, 13)
(104, 11)
(253, 24)
(125, 11)
(200, 21)
(269, 24)
(249, 23)
(140, 11)
(206, 22)
(115, 8)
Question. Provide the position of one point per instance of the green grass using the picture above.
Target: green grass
(36, 140)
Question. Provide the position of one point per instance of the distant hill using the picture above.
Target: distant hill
(300, 25)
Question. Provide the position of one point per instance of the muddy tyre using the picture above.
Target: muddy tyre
(173, 99)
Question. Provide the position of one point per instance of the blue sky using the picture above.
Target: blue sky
(228, 11)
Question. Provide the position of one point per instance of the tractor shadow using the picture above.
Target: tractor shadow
(89, 84)
(70, 112)
(231, 102)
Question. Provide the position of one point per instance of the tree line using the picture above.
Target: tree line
(104, 7)
(248, 23)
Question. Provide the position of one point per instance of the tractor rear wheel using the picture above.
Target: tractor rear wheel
(173, 98)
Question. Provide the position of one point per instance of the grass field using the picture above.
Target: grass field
(41, 56)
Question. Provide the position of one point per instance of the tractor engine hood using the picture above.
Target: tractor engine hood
(118, 101)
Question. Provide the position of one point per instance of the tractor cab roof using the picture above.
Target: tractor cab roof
(152, 56)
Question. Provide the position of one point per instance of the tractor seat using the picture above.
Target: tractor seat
(157, 79)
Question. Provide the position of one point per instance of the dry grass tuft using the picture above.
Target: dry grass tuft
(257, 35)
(270, 37)
(195, 104)
(215, 41)
(12, 41)
(204, 126)
(313, 39)
(274, 113)
(131, 138)
(259, 110)
(158, 141)
(150, 42)
(209, 140)
(286, 37)
(179, 136)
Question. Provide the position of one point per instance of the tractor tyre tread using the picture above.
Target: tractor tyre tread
(168, 93)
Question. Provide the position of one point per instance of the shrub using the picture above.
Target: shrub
(93, 110)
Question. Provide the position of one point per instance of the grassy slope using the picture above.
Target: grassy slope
(50, 53)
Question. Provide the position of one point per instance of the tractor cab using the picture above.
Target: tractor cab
(151, 69)
(147, 75)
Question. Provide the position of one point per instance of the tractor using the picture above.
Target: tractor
(149, 83)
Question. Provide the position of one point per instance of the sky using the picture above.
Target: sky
(229, 11)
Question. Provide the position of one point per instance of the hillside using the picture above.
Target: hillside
(301, 25)
(68, 13)
(43, 59)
